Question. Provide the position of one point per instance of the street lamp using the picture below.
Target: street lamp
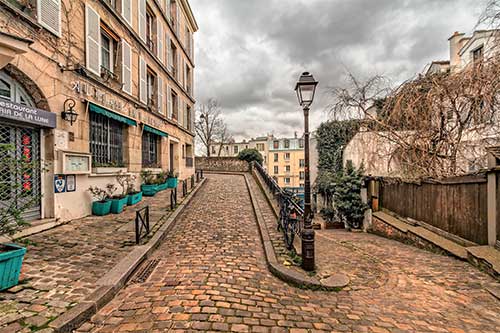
(305, 89)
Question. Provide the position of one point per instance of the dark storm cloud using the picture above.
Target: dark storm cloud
(250, 53)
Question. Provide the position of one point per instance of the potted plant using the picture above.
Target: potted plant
(134, 196)
(21, 198)
(149, 186)
(172, 179)
(102, 205)
(117, 201)
(162, 180)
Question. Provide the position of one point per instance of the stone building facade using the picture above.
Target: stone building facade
(125, 68)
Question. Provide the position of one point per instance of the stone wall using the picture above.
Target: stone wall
(225, 164)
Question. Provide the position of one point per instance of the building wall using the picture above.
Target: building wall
(295, 150)
(57, 67)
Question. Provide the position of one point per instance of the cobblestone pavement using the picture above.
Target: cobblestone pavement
(62, 265)
(210, 275)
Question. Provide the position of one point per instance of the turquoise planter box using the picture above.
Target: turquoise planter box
(149, 190)
(172, 182)
(101, 208)
(10, 265)
(134, 198)
(163, 187)
(118, 204)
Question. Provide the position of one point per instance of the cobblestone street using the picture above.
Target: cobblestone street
(210, 275)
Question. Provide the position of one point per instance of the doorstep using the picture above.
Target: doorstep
(37, 226)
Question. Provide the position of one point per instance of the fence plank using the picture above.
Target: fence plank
(455, 207)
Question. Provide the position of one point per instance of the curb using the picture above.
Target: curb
(283, 273)
(111, 283)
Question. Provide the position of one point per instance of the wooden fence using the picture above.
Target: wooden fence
(457, 206)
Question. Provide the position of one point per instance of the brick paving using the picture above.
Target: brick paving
(62, 265)
(211, 276)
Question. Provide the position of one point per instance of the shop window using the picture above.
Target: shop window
(12, 91)
(106, 141)
(150, 156)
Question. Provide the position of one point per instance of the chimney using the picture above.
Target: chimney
(455, 46)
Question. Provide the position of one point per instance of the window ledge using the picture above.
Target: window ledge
(153, 170)
(107, 170)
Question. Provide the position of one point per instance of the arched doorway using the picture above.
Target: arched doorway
(20, 186)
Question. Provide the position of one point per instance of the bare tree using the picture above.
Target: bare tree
(210, 127)
(438, 124)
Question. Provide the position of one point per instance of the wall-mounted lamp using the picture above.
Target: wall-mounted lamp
(69, 113)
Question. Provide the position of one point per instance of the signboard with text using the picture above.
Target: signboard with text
(27, 114)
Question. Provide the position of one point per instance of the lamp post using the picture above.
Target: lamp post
(305, 89)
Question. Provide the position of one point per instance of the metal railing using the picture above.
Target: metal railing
(291, 217)
(141, 224)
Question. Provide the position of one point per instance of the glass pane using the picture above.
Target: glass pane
(5, 90)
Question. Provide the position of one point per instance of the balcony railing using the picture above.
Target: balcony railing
(189, 162)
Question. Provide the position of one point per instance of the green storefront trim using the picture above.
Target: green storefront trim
(155, 131)
(110, 114)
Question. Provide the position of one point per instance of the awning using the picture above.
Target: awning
(155, 131)
(110, 114)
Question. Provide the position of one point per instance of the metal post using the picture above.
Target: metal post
(307, 234)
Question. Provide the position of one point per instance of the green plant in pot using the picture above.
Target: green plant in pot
(101, 205)
(21, 198)
(172, 179)
(134, 196)
(162, 180)
(119, 201)
(149, 185)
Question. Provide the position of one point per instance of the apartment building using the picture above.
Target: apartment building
(283, 158)
(94, 87)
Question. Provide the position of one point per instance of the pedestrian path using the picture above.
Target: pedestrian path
(62, 265)
(210, 275)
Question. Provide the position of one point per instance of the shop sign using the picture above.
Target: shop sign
(27, 114)
(98, 95)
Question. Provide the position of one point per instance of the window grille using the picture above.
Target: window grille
(149, 149)
(106, 140)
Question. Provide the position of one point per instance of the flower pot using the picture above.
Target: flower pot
(162, 187)
(134, 198)
(118, 204)
(11, 260)
(101, 208)
(171, 182)
(149, 190)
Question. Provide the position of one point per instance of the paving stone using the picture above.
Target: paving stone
(215, 256)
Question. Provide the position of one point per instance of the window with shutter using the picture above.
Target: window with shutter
(93, 40)
(143, 81)
(167, 50)
(126, 67)
(160, 95)
(127, 11)
(49, 15)
(142, 20)
(170, 107)
(159, 37)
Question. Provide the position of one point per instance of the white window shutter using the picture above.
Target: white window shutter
(126, 67)
(170, 108)
(93, 40)
(142, 19)
(160, 95)
(167, 9)
(184, 108)
(143, 81)
(49, 15)
(177, 19)
(179, 67)
(179, 111)
(159, 38)
(168, 50)
(127, 11)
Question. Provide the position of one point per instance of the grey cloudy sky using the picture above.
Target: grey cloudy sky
(250, 53)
